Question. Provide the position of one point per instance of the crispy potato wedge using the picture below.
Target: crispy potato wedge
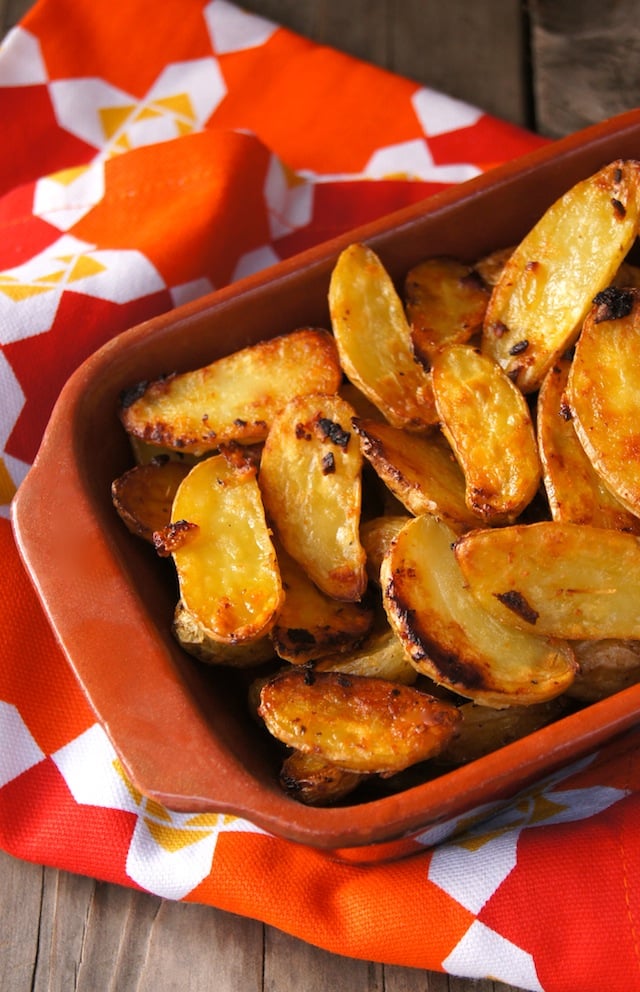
(561, 580)
(145, 452)
(312, 625)
(374, 340)
(420, 470)
(226, 563)
(310, 478)
(359, 723)
(487, 422)
(451, 638)
(144, 495)
(490, 267)
(236, 397)
(315, 782)
(605, 667)
(483, 730)
(604, 392)
(445, 302)
(197, 641)
(380, 656)
(376, 536)
(575, 491)
(537, 307)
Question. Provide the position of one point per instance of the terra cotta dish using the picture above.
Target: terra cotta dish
(182, 730)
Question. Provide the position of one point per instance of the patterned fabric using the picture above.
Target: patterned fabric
(153, 152)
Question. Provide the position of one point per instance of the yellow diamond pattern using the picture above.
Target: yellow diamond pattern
(174, 838)
(114, 118)
(7, 485)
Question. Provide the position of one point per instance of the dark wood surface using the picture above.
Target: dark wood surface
(551, 66)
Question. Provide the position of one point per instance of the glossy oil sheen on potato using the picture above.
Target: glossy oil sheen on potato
(451, 638)
(236, 397)
(604, 392)
(310, 478)
(359, 723)
(547, 285)
(575, 491)
(562, 580)
(227, 570)
(143, 496)
(374, 340)
(488, 425)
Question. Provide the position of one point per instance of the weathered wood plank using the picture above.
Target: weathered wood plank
(586, 58)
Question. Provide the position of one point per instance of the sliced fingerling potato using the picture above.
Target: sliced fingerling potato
(445, 302)
(381, 656)
(451, 638)
(487, 422)
(575, 491)
(311, 624)
(419, 469)
(483, 730)
(606, 666)
(604, 392)
(226, 564)
(376, 535)
(561, 580)
(236, 397)
(196, 640)
(545, 290)
(312, 780)
(310, 478)
(363, 724)
(144, 495)
(374, 340)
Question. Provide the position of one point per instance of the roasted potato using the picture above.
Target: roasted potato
(445, 302)
(225, 561)
(236, 397)
(313, 781)
(575, 491)
(363, 724)
(560, 580)
(604, 392)
(420, 470)
(196, 640)
(545, 290)
(487, 422)
(450, 637)
(143, 496)
(376, 536)
(380, 656)
(605, 667)
(374, 340)
(310, 479)
(482, 730)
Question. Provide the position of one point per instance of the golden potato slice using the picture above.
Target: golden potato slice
(197, 641)
(312, 625)
(376, 536)
(445, 301)
(483, 730)
(359, 723)
(310, 477)
(604, 392)
(380, 656)
(605, 667)
(227, 569)
(561, 580)
(487, 422)
(374, 340)
(236, 397)
(546, 288)
(420, 470)
(144, 495)
(315, 782)
(575, 491)
(491, 266)
(451, 638)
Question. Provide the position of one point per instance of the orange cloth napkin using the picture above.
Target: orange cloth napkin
(152, 153)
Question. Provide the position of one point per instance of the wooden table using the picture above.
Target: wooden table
(553, 67)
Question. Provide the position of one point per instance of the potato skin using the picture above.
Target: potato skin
(359, 723)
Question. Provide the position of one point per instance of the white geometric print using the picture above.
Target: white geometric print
(180, 102)
(413, 160)
(24, 753)
(503, 960)
(440, 114)
(30, 293)
(289, 199)
(12, 471)
(63, 198)
(21, 62)
(234, 30)
(255, 261)
(472, 876)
